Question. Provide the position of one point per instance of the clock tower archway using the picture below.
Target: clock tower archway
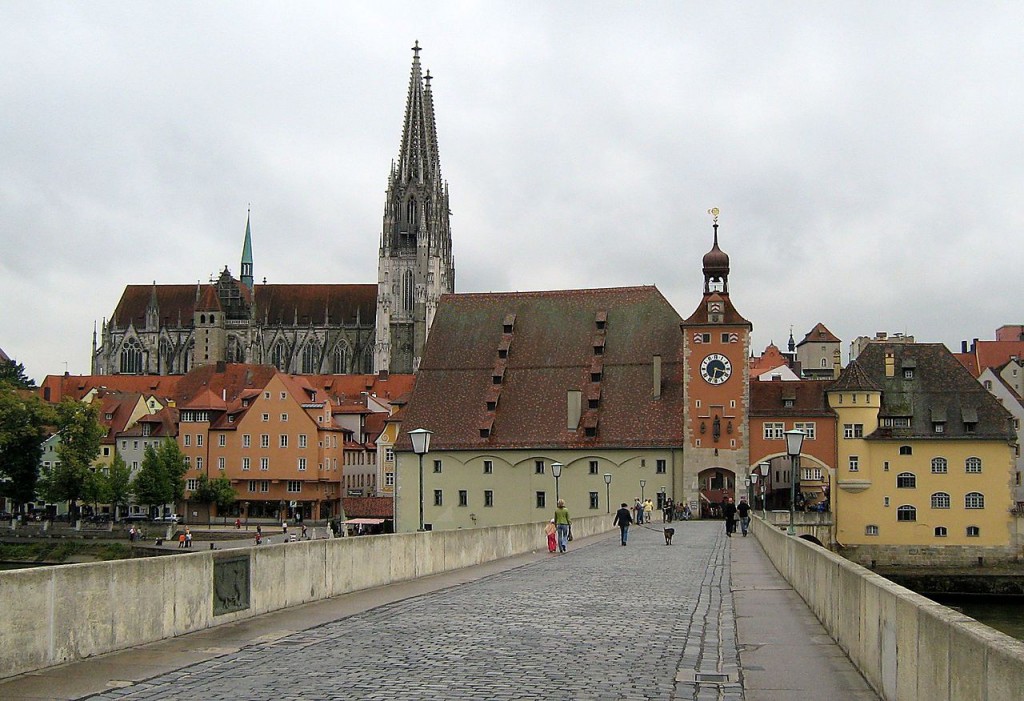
(716, 389)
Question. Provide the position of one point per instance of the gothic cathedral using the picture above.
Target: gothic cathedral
(307, 328)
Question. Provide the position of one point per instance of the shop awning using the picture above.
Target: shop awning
(365, 521)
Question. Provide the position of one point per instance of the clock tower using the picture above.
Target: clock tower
(716, 389)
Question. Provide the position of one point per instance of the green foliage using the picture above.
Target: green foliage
(80, 433)
(161, 477)
(61, 551)
(23, 427)
(119, 482)
(13, 374)
(216, 491)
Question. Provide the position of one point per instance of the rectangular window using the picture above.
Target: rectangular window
(871, 530)
(264, 485)
(594, 500)
(302, 464)
(222, 440)
(284, 395)
(302, 440)
(264, 463)
(265, 418)
(437, 466)
(725, 337)
(294, 486)
(542, 500)
(246, 440)
(488, 467)
(808, 427)
(538, 467)
(135, 445)
(199, 439)
(438, 498)
(854, 463)
(284, 440)
(488, 497)
(812, 474)
(191, 484)
(106, 450)
(661, 466)
(245, 464)
(199, 464)
(221, 463)
(774, 430)
(264, 440)
(284, 417)
(188, 439)
(463, 497)
(853, 430)
(253, 486)
(593, 467)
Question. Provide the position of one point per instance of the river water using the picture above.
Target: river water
(1005, 614)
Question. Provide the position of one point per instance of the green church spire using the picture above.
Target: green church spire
(247, 254)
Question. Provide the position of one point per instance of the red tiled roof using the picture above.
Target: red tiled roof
(990, 354)
(367, 507)
(551, 352)
(819, 334)
(769, 360)
(808, 397)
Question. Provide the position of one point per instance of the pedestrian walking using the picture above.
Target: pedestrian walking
(729, 511)
(550, 530)
(284, 527)
(304, 531)
(638, 512)
(188, 538)
(622, 520)
(743, 509)
(648, 511)
(562, 524)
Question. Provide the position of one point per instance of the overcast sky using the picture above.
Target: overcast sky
(866, 157)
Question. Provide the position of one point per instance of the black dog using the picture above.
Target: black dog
(669, 532)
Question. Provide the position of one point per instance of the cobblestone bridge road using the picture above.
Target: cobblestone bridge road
(646, 621)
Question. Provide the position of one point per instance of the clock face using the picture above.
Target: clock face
(716, 369)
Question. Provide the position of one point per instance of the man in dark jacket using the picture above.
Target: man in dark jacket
(622, 519)
(743, 509)
(729, 511)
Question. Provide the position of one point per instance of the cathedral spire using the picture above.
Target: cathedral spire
(247, 253)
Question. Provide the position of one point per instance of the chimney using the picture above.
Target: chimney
(574, 409)
(656, 366)
(837, 363)
(890, 363)
(963, 346)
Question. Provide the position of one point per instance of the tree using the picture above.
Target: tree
(24, 419)
(216, 491)
(119, 483)
(80, 433)
(161, 477)
(14, 374)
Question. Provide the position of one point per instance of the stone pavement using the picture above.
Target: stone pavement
(600, 622)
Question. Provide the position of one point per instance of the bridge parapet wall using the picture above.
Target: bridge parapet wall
(71, 612)
(908, 647)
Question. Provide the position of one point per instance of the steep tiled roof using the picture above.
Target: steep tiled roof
(205, 387)
(807, 396)
(276, 304)
(941, 389)
(730, 315)
(854, 377)
(819, 334)
(990, 354)
(551, 351)
(769, 360)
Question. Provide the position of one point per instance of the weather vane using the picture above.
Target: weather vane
(714, 213)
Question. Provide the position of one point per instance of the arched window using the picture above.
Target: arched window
(410, 212)
(279, 356)
(310, 358)
(408, 291)
(824, 362)
(235, 353)
(973, 531)
(940, 500)
(131, 357)
(906, 450)
(974, 500)
(939, 466)
(166, 356)
(906, 480)
(906, 513)
(940, 531)
(973, 465)
(339, 359)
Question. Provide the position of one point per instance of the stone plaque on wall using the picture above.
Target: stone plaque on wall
(230, 584)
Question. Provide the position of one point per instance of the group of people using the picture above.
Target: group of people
(642, 511)
(559, 529)
(732, 512)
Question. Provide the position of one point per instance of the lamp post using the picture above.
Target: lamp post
(608, 491)
(421, 446)
(643, 483)
(794, 441)
(556, 470)
(765, 470)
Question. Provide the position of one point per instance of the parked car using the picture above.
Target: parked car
(136, 518)
(169, 518)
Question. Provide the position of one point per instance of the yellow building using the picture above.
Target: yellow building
(925, 459)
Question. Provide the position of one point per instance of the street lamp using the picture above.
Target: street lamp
(421, 446)
(608, 491)
(794, 441)
(643, 483)
(766, 468)
(556, 470)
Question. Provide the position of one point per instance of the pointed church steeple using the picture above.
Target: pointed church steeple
(416, 265)
(247, 254)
